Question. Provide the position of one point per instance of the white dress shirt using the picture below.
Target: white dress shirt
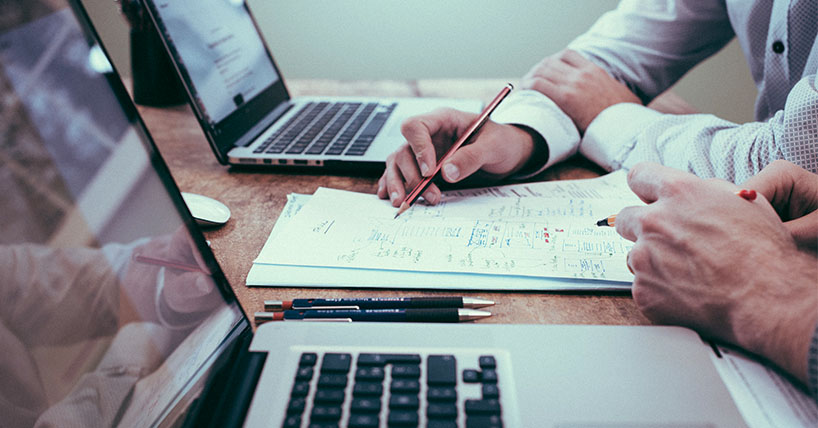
(649, 45)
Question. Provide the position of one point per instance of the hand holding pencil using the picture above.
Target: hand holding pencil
(470, 133)
(497, 152)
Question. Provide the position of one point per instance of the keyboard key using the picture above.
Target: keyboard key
(471, 376)
(489, 376)
(308, 359)
(492, 421)
(336, 363)
(402, 418)
(404, 371)
(325, 413)
(292, 421)
(300, 389)
(439, 410)
(490, 390)
(364, 405)
(363, 420)
(323, 424)
(400, 401)
(329, 396)
(489, 406)
(370, 374)
(441, 370)
(441, 423)
(487, 362)
(332, 381)
(367, 388)
(405, 385)
(442, 394)
(296, 405)
(303, 374)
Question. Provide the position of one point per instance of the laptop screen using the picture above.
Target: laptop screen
(111, 305)
(221, 51)
(230, 77)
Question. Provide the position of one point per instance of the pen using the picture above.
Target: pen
(607, 221)
(749, 195)
(472, 131)
(378, 303)
(169, 264)
(382, 315)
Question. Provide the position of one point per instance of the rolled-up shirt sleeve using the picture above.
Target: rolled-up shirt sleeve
(625, 134)
(649, 45)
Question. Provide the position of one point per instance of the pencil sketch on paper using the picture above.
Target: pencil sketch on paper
(496, 231)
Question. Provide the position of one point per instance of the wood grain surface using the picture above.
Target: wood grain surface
(256, 198)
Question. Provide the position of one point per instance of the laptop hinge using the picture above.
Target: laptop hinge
(253, 133)
(227, 395)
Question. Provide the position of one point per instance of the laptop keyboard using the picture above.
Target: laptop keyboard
(342, 128)
(394, 390)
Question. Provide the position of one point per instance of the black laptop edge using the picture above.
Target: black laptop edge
(226, 384)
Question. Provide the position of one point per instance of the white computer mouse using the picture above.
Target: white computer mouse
(206, 211)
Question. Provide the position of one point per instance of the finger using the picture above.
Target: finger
(792, 190)
(804, 231)
(394, 185)
(420, 131)
(574, 58)
(466, 161)
(629, 222)
(432, 194)
(382, 186)
(649, 180)
(543, 86)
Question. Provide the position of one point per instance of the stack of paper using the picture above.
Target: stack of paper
(533, 236)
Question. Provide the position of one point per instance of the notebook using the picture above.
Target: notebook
(245, 110)
(115, 311)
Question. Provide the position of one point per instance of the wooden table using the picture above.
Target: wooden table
(257, 198)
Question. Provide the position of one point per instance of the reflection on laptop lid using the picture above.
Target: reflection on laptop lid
(245, 110)
(113, 310)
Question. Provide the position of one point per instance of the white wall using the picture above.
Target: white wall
(411, 39)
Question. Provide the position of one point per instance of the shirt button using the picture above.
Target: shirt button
(778, 47)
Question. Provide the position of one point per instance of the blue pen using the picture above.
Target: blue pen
(380, 315)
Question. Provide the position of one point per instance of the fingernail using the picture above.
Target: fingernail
(451, 171)
(424, 169)
(380, 189)
(433, 199)
(393, 196)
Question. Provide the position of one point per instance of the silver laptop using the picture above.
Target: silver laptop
(245, 110)
(113, 310)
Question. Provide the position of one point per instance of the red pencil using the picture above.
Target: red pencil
(472, 131)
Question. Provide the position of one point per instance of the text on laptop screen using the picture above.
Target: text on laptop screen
(221, 51)
(107, 306)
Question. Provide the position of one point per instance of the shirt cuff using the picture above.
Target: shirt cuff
(534, 110)
(611, 136)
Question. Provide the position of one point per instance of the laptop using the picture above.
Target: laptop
(241, 100)
(114, 311)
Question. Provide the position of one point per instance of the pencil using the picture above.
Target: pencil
(607, 221)
(169, 264)
(472, 131)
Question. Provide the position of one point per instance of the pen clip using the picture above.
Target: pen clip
(313, 308)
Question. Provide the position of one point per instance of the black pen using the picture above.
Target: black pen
(378, 303)
(382, 315)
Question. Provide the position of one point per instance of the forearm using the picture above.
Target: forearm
(663, 41)
(41, 282)
(780, 325)
(626, 134)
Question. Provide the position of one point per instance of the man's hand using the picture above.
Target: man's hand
(725, 266)
(793, 191)
(579, 87)
(498, 151)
